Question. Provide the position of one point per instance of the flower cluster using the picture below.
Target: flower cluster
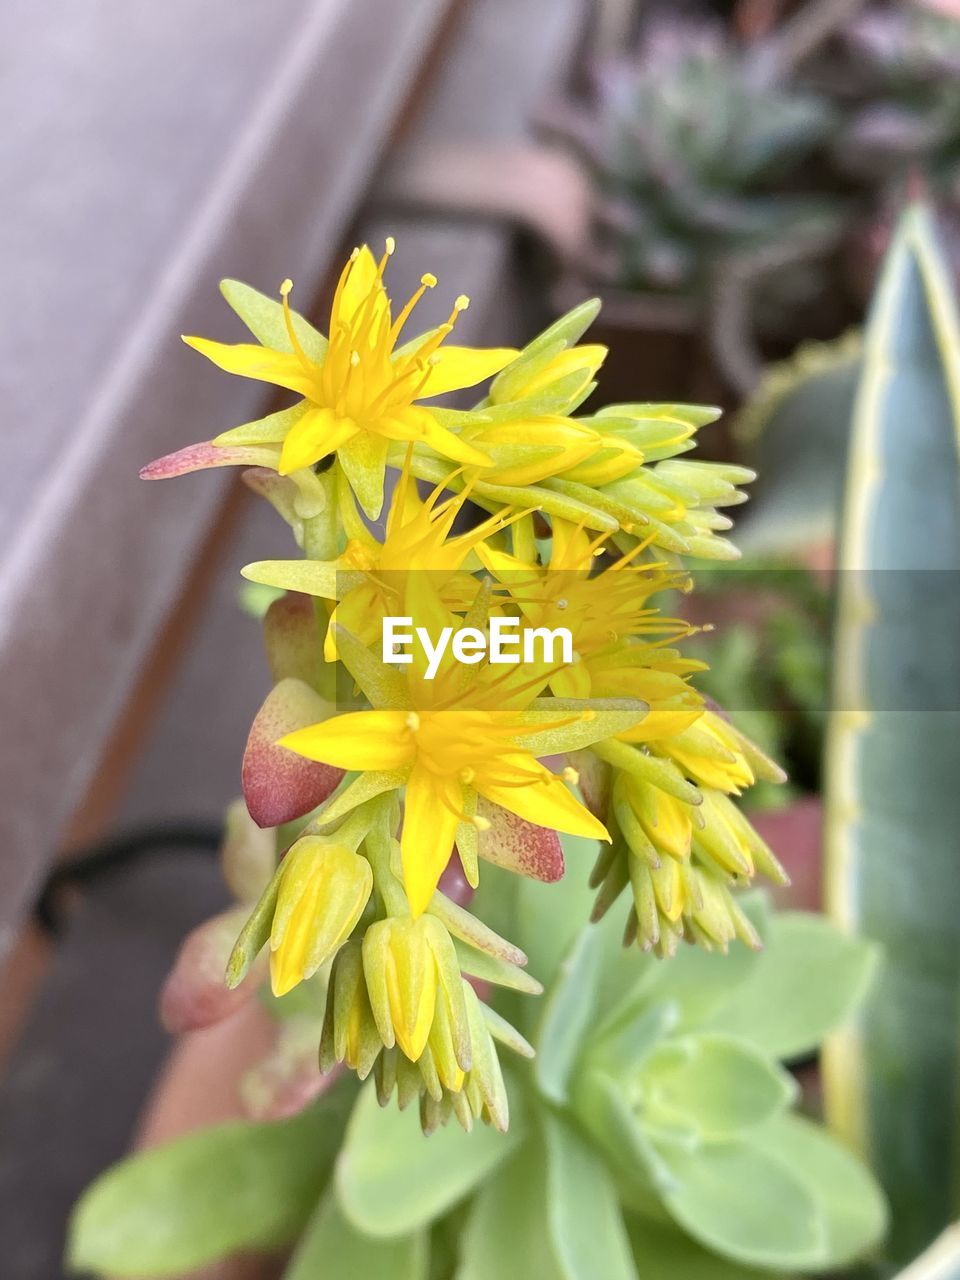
(376, 776)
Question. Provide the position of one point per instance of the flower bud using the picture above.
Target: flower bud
(408, 964)
(710, 752)
(667, 821)
(350, 1033)
(534, 375)
(324, 888)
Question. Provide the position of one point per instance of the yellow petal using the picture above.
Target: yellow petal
(420, 424)
(357, 740)
(429, 828)
(572, 682)
(411, 980)
(665, 819)
(570, 548)
(316, 434)
(548, 804)
(250, 361)
(361, 280)
(456, 367)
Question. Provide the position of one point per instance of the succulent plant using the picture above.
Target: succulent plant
(901, 81)
(687, 152)
(654, 1135)
(655, 1125)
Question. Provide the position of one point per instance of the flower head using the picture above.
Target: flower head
(359, 390)
(370, 577)
(446, 749)
(604, 612)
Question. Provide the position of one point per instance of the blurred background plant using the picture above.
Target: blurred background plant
(747, 164)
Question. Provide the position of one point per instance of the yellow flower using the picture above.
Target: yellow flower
(361, 392)
(604, 613)
(370, 577)
(323, 890)
(461, 736)
(446, 757)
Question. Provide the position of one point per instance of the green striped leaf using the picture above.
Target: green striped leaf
(893, 802)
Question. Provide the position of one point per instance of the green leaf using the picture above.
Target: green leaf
(549, 917)
(263, 316)
(606, 1110)
(893, 750)
(272, 429)
(312, 577)
(504, 1236)
(744, 1204)
(583, 1210)
(796, 427)
(849, 1200)
(664, 1253)
(807, 981)
(568, 1011)
(392, 1180)
(599, 718)
(489, 968)
(331, 1246)
(714, 1084)
(238, 1186)
(697, 982)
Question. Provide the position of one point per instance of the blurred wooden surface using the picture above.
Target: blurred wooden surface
(149, 150)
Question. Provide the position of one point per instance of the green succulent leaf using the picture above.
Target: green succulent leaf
(809, 980)
(312, 577)
(663, 1252)
(608, 716)
(391, 1180)
(263, 316)
(331, 1246)
(238, 1186)
(715, 1085)
(745, 1204)
(583, 1214)
(696, 982)
(504, 1235)
(849, 1200)
(567, 1013)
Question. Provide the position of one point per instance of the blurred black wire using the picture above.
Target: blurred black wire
(91, 863)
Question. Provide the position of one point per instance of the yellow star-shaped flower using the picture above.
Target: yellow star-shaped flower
(360, 391)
